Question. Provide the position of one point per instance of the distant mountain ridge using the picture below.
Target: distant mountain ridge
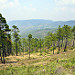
(26, 26)
(29, 23)
(41, 22)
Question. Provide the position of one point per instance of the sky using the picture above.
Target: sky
(57, 10)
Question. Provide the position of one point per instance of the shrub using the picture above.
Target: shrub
(68, 65)
(51, 49)
(71, 48)
(18, 59)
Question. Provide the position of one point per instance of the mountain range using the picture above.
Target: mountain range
(38, 27)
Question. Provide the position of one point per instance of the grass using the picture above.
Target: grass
(57, 64)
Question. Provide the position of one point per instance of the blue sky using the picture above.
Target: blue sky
(62, 10)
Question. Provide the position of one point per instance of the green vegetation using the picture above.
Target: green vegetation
(16, 36)
(29, 36)
(58, 64)
(38, 27)
(5, 39)
(54, 54)
(38, 33)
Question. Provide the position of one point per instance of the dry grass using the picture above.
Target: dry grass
(36, 59)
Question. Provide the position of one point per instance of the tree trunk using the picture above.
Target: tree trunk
(23, 50)
(16, 49)
(62, 43)
(73, 44)
(10, 48)
(58, 45)
(0, 52)
(3, 53)
(73, 41)
(29, 49)
(40, 46)
(53, 46)
(20, 49)
(65, 46)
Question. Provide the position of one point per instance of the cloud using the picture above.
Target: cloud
(2, 1)
(25, 7)
(16, 1)
(8, 4)
(58, 10)
(33, 9)
(73, 1)
(29, 8)
(61, 9)
(65, 7)
(46, 8)
(30, 5)
(65, 2)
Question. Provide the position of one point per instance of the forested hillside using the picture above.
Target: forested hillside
(53, 54)
(35, 26)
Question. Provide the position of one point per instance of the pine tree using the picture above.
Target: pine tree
(16, 37)
(4, 29)
(60, 35)
(29, 37)
(67, 34)
(73, 30)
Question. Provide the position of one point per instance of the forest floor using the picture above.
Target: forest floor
(45, 64)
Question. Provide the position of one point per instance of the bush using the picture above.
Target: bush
(71, 48)
(68, 65)
(58, 52)
(18, 59)
(51, 49)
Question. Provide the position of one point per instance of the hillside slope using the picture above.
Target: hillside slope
(35, 25)
(47, 64)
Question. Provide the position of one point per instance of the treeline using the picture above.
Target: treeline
(12, 44)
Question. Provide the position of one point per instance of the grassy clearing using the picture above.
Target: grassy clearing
(46, 64)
